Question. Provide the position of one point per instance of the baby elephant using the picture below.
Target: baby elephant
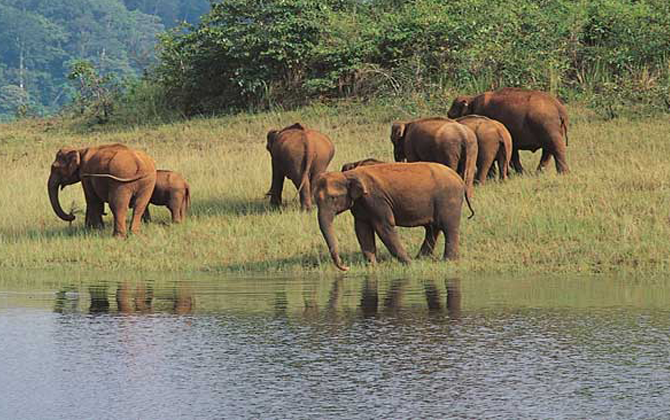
(365, 162)
(384, 196)
(172, 191)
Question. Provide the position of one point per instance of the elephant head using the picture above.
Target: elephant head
(336, 192)
(460, 107)
(64, 172)
(398, 130)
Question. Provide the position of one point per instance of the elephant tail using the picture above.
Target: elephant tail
(564, 125)
(470, 164)
(309, 161)
(187, 200)
(472, 212)
(505, 150)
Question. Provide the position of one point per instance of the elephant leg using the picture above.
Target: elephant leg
(95, 208)
(485, 159)
(366, 238)
(94, 212)
(559, 152)
(277, 184)
(428, 245)
(142, 198)
(450, 225)
(306, 195)
(175, 206)
(119, 202)
(389, 236)
(146, 217)
(516, 161)
(545, 159)
(503, 165)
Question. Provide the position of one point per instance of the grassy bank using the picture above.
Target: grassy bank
(611, 214)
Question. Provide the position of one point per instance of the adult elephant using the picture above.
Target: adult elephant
(535, 119)
(439, 140)
(299, 154)
(112, 173)
(494, 144)
(384, 196)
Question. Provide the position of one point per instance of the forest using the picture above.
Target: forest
(41, 39)
(161, 58)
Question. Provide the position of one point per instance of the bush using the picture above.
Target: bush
(251, 53)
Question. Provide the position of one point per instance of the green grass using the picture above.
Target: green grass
(610, 215)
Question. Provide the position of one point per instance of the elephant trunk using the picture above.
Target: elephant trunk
(326, 226)
(53, 184)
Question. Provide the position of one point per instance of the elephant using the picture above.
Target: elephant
(536, 120)
(439, 140)
(299, 154)
(172, 191)
(494, 144)
(383, 196)
(364, 162)
(112, 173)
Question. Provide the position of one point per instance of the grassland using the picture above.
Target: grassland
(610, 215)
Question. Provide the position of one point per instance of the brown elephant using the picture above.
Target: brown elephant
(365, 162)
(536, 120)
(439, 140)
(384, 196)
(172, 191)
(494, 144)
(112, 173)
(299, 154)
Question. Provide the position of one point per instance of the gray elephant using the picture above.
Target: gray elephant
(299, 154)
(384, 196)
(535, 119)
(439, 140)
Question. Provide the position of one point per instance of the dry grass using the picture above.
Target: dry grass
(611, 214)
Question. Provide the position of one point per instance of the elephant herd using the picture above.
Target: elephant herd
(444, 157)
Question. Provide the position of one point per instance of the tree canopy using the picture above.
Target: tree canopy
(40, 39)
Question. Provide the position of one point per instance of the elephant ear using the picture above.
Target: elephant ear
(71, 160)
(397, 131)
(272, 137)
(296, 126)
(357, 187)
(462, 105)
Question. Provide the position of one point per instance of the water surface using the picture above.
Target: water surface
(101, 346)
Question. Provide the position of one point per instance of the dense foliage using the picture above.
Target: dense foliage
(41, 39)
(612, 54)
(259, 52)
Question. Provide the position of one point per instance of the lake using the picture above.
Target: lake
(154, 346)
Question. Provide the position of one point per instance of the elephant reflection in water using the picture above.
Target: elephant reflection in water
(184, 302)
(99, 300)
(139, 302)
(397, 291)
(311, 308)
(370, 297)
(453, 299)
(139, 298)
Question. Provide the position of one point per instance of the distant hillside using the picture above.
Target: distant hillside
(39, 39)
